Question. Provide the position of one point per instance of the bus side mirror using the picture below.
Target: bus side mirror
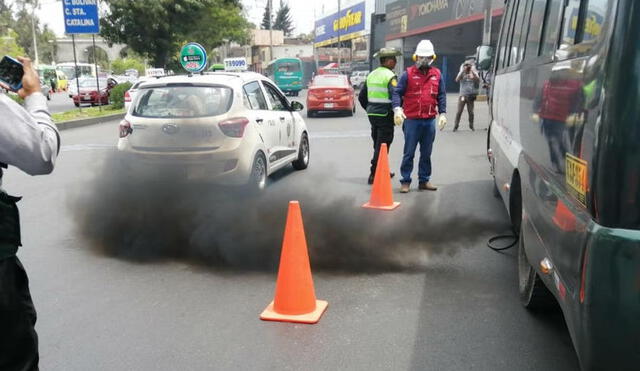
(484, 57)
(296, 106)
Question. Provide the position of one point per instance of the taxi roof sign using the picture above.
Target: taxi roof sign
(193, 57)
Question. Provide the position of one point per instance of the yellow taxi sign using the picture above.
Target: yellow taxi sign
(576, 177)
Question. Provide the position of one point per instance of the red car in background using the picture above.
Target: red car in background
(89, 92)
(330, 93)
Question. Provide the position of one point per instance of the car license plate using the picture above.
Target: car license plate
(86, 97)
(328, 105)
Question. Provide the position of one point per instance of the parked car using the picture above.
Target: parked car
(89, 93)
(228, 128)
(330, 93)
(130, 94)
(358, 78)
(45, 89)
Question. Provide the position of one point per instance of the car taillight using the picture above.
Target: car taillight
(127, 96)
(125, 128)
(234, 127)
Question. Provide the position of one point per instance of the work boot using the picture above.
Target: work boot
(427, 186)
(404, 187)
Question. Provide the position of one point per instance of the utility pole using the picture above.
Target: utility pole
(34, 5)
(339, 43)
(270, 5)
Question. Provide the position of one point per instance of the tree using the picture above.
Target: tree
(267, 17)
(120, 66)
(283, 19)
(8, 44)
(158, 29)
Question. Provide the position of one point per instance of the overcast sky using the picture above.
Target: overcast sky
(302, 12)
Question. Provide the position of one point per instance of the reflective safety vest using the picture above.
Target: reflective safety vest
(378, 91)
(421, 94)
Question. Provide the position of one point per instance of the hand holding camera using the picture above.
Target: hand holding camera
(19, 75)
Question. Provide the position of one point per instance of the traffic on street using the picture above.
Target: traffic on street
(399, 185)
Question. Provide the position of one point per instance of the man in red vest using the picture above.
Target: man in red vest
(417, 100)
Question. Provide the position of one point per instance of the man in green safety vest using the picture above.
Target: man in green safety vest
(375, 98)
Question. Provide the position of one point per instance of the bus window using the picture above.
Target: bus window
(570, 24)
(503, 39)
(550, 29)
(594, 19)
(513, 6)
(517, 33)
(532, 49)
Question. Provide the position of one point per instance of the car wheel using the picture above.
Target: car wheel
(258, 178)
(534, 295)
(311, 113)
(77, 104)
(350, 112)
(303, 154)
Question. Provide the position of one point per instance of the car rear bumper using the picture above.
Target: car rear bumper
(336, 105)
(225, 165)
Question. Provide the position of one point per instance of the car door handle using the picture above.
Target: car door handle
(259, 120)
(282, 118)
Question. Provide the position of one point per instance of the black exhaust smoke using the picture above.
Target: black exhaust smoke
(157, 218)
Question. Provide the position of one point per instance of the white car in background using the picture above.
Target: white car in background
(358, 78)
(130, 94)
(229, 128)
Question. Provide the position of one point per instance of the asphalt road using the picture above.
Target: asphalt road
(60, 102)
(441, 303)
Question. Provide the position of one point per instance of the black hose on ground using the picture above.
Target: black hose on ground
(492, 240)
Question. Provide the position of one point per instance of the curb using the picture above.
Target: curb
(72, 124)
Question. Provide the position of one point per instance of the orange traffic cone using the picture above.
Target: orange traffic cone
(295, 298)
(564, 218)
(381, 195)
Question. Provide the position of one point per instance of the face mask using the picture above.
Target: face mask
(424, 62)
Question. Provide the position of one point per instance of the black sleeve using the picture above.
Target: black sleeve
(362, 97)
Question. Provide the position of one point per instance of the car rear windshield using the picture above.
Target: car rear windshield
(329, 81)
(182, 101)
(91, 83)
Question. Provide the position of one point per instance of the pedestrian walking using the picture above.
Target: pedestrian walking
(30, 142)
(419, 97)
(375, 98)
(469, 81)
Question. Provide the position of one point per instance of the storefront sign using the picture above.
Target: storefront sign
(349, 25)
(412, 15)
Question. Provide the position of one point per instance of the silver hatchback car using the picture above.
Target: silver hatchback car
(231, 128)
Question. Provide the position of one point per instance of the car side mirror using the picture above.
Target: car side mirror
(296, 106)
(484, 57)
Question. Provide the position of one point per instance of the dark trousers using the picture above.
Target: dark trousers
(423, 132)
(18, 338)
(463, 100)
(381, 132)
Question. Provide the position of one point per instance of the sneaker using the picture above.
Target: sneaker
(471, 127)
(427, 186)
(455, 128)
(404, 188)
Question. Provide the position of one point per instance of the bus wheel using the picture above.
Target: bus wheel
(534, 295)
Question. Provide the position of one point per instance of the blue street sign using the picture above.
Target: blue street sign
(81, 16)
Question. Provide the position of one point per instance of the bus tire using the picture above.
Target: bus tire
(534, 295)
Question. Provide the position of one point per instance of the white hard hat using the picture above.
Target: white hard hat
(425, 49)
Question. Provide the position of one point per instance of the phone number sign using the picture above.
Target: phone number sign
(81, 16)
(235, 64)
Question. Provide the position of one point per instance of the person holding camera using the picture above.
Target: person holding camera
(469, 80)
(29, 141)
